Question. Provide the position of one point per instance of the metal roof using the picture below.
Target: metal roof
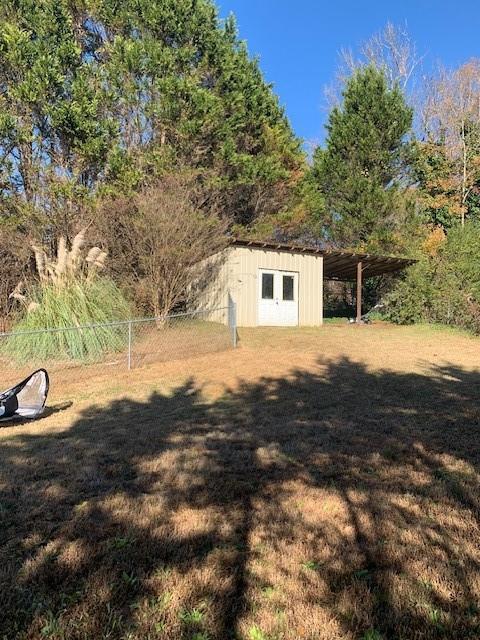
(337, 265)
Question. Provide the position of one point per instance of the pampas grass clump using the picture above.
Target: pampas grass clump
(70, 293)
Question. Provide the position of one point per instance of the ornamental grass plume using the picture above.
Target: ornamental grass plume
(71, 294)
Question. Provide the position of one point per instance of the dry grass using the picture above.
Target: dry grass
(318, 484)
(181, 339)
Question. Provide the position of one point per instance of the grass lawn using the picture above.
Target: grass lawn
(317, 483)
(182, 337)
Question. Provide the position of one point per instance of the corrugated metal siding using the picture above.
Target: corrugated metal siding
(238, 276)
(215, 293)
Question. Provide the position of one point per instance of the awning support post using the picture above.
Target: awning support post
(359, 291)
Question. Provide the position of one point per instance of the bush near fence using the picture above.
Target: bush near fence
(138, 342)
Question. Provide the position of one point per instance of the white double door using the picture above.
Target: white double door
(277, 298)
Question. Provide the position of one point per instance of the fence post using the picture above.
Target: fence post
(232, 319)
(235, 334)
(129, 345)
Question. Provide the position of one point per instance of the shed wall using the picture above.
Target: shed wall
(237, 276)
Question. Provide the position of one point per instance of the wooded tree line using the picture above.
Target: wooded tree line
(148, 123)
(99, 97)
(399, 173)
(100, 100)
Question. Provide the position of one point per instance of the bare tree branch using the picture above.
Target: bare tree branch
(172, 227)
(393, 50)
(452, 118)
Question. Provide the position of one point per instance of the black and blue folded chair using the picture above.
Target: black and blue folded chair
(26, 400)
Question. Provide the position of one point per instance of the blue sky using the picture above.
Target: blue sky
(298, 42)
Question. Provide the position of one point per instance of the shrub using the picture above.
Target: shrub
(410, 300)
(69, 295)
(14, 258)
(444, 287)
(166, 237)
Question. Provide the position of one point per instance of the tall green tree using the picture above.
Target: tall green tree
(362, 168)
(52, 131)
(101, 96)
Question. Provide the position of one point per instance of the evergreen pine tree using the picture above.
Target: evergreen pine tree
(362, 166)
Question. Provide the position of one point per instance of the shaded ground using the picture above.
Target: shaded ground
(318, 484)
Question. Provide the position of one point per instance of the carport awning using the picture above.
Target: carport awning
(343, 266)
(337, 265)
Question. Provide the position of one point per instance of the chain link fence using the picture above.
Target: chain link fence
(113, 348)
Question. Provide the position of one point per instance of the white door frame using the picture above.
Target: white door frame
(277, 311)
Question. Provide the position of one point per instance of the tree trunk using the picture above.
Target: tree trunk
(161, 315)
(464, 174)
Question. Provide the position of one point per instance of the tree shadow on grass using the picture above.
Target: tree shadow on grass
(328, 504)
(49, 410)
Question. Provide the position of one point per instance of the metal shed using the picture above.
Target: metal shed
(278, 284)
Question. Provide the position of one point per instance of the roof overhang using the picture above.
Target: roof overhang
(337, 265)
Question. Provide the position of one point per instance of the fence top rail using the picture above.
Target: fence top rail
(116, 323)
